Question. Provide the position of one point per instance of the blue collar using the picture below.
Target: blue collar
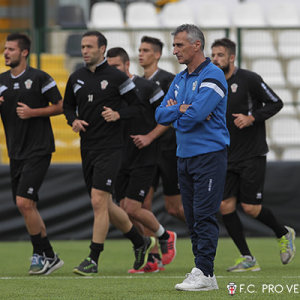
(199, 68)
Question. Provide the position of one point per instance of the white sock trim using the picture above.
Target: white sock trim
(160, 231)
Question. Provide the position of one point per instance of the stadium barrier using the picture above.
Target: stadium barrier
(65, 205)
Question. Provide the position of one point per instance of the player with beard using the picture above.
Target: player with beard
(98, 98)
(25, 95)
(250, 102)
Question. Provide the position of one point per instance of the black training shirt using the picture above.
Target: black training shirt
(248, 94)
(164, 79)
(149, 93)
(31, 137)
(88, 92)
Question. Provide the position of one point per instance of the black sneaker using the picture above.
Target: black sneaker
(54, 264)
(87, 267)
(141, 253)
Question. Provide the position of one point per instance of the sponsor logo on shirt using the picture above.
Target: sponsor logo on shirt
(142, 193)
(194, 84)
(109, 182)
(30, 190)
(103, 84)
(90, 97)
(259, 196)
(16, 86)
(234, 87)
(28, 84)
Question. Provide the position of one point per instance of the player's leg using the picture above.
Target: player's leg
(27, 177)
(255, 208)
(232, 220)
(119, 218)
(169, 176)
(139, 184)
(100, 170)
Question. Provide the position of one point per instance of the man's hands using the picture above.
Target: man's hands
(79, 125)
(110, 115)
(24, 111)
(182, 108)
(141, 141)
(241, 121)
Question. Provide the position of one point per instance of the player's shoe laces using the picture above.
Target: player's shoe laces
(197, 281)
(54, 264)
(168, 248)
(38, 265)
(245, 263)
(287, 246)
(141, 253)
(150, 267)
(86, 268)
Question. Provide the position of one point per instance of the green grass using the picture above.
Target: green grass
(113, 281)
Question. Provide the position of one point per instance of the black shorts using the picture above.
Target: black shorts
(134, 183)
(166, 169)
(245, 180)
(100, 168)
(27, 176)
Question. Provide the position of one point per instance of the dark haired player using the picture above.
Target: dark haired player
(97, 98)
(25, 94)
(250, 102)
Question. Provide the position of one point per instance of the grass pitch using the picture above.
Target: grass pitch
(274, 281)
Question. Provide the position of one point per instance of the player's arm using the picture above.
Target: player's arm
(70, 108)
(133, 108)
(25, 112)
(142, 141)
(169, 110)
(272, 104)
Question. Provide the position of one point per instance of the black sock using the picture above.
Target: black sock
(95, 251)
(266, 217)
(134, 236)
(156, 255)
(165, 236)
(234, 228)
(47, 248)
(36, 241)
(151, 257)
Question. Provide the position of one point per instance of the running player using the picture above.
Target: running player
(250, 102)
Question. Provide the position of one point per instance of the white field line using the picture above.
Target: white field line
(138, 276)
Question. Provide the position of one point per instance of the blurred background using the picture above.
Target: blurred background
(268, 37)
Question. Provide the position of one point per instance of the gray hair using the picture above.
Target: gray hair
(193, 33)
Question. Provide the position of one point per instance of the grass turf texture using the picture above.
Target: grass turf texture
(113, 281)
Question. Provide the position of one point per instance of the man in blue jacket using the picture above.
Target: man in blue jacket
(196, 106)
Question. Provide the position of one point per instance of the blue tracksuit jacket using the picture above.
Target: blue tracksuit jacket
(206, 90)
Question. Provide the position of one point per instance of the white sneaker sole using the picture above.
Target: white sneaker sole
(178, 288)
(41, 271)
(55, 267)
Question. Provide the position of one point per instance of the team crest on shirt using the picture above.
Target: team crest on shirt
(28, 84)
(234, 87)
(194, 84)
(103, 84)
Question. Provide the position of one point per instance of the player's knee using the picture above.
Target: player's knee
(173, 210)
(227, 207)
(131, 209)
(99, 203)
(251, 210)
(24, 205)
